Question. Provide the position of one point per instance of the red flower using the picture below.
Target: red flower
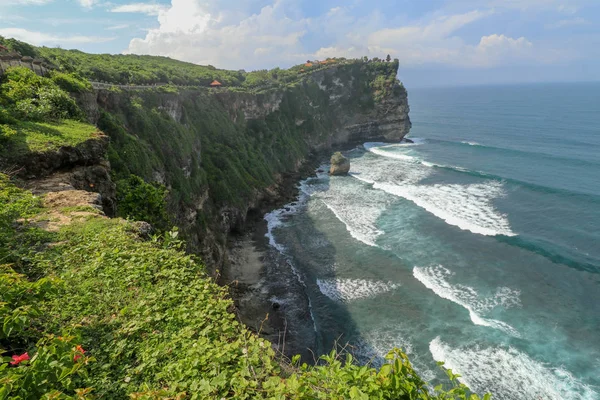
(18, 359)
(80, 352)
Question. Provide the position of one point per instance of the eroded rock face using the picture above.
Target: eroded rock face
(325, 110)
(82, 168)
(340, 165)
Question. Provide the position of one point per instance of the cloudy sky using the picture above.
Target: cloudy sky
(438, 42)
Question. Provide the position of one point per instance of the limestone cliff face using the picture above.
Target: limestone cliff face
(224, 153)
(386, 119)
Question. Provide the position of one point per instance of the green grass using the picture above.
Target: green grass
(36, 137)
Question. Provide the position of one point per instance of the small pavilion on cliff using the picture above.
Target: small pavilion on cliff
(216, 84)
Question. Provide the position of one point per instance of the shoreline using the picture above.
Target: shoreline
(259, 277)
(269, 298)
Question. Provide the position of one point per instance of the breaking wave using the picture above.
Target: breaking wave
(346, 290)
(436, 279)
(468, 207)
(509, 374)
(465, 206)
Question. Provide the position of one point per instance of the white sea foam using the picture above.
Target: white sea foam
(470, 143)
(355, 205)
(273, 221)
(468, 207)
(347, 290)
(358, 208)
(378, 148)
(276, 219)
(360, 222)
(375, 344)
(433, 165)
(437, 280)
(384, 169)
(509, 374)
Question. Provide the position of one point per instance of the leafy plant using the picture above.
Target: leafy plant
(142, 201)
(70, 82)
(34, 98)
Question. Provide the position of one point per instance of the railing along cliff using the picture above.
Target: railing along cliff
(105, 85)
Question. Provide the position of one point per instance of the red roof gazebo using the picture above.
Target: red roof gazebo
(2, 48)
(216, 83)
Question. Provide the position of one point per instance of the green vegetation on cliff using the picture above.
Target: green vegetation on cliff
(133, 69)
(37, 115)
(91, 307)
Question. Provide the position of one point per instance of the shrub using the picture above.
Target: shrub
(70, 82)
(32, 363)
(6, 117)
(34, 98)
(142, 201)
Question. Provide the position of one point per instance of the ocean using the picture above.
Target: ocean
(477, 245)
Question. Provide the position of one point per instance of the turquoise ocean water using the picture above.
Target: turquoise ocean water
(478, 245)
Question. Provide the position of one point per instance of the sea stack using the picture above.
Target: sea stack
(340, 165)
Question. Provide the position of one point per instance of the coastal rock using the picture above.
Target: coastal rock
(340, 165)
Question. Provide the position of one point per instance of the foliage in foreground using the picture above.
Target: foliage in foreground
(101, 313)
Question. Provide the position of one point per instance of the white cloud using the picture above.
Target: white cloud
(26, 2)
(117, 27)
(40, 38)
(492, 49)
(564, 6)
(87, 3)
(141, 8)
(191, 30)
(436, 42)
(569, 22)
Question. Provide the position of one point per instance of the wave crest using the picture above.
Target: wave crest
(346, 290)
(509, 374)
(436, 279)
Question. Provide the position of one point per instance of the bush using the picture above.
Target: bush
(70, 82)
(6, 117)
(34, 98)
(142, 201)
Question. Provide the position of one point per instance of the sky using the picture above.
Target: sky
(438, 42)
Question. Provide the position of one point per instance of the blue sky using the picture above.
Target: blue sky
(438, 42)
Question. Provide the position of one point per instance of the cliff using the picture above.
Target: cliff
(98, 307)
(223, 154)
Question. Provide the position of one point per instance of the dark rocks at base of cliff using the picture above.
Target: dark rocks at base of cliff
(268, 297)
(340, 165)
(262, 282)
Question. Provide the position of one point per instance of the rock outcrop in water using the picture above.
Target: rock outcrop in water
(340, 165)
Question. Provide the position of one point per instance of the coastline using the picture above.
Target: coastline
(261, 280)
(259, 277)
